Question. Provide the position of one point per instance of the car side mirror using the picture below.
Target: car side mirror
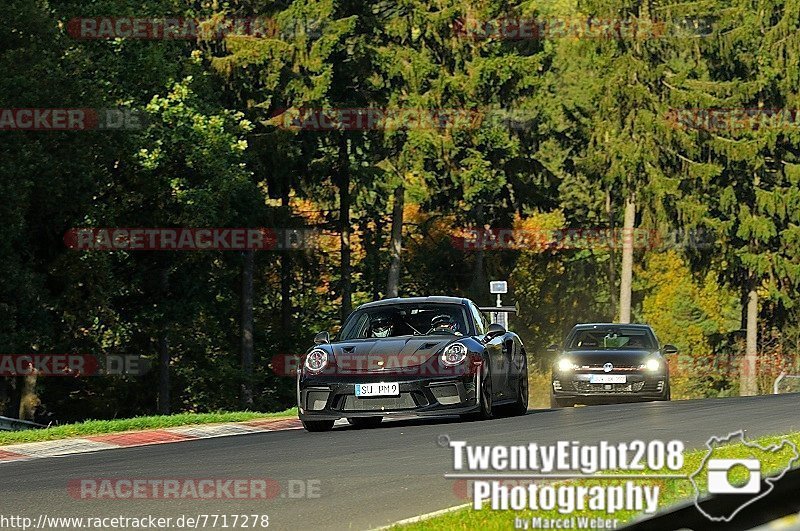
(322, 338)
(552, 348)
(669, 349)
(495, 330)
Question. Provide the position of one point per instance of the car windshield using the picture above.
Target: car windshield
(612, 338)
(406, 320)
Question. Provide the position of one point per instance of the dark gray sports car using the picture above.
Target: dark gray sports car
(606, 362)
(420, 356)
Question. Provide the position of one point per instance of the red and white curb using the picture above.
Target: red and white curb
(59, 448)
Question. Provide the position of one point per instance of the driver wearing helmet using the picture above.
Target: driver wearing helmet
(444, 323)
(380, 326)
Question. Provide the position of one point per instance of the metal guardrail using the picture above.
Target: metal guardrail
(779, 379)
(8, 424)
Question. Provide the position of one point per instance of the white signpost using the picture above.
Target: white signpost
(498, 287)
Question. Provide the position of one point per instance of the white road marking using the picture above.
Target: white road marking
(422, 517)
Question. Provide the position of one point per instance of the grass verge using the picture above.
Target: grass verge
(672, 491)
(100, 427)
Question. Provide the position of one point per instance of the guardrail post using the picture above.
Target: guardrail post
(777, 382)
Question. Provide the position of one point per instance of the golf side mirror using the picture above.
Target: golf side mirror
(669, 349)
(552, 348)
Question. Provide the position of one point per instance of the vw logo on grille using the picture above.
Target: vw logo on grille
(608, 367)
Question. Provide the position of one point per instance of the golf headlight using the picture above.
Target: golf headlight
(566, 365)
(652, 365)
(316, 360)
(454, 354)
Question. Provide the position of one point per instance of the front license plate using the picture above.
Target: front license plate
(378, 389)
(607, 378)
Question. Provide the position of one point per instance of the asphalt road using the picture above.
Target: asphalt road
(367, 478)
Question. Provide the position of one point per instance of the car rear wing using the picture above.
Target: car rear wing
(500, 309)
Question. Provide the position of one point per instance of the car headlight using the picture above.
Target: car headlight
(316, 360)
(652, 365)
(566, 365)
(454, 354)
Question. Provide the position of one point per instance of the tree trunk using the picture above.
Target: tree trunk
(29, 400)
(344, 226)
(478, 287)
(247, 328)
(15, 401)
(377, 241)
(393, 284)
(748, 383)
(626, 278)
(612, 258)
(163, 349)
(4, 396)
(286, 275)
(286, 300)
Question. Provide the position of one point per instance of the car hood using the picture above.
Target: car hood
(618, 358)
(380, 354)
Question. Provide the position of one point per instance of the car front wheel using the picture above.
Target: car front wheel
(520, 405)
(485, 398)
(556, 403)
(667, 396)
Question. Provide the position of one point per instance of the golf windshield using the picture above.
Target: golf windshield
(612, 338)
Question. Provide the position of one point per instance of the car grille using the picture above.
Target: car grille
(586, 387)
(316, 400)
(404, 401)
(617, 368)
(446, 394)
(655, 386)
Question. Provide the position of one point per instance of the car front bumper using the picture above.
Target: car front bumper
(333, 397)
(638, 386)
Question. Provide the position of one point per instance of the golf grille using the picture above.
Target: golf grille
(586, 387)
